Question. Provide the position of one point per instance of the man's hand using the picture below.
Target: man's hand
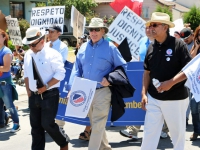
(105, 82)
(144, 101)
(42, 90)
(28, 93)
(165, 86)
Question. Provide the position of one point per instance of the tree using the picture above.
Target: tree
(83, 6)
(192, 17)
(164, 9)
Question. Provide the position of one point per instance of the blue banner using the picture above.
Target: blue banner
(134, 115)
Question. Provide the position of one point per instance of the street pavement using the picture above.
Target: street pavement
(21, 140)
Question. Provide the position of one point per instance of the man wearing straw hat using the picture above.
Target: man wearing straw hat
(164, 59)
(43, 101)
(95, 59)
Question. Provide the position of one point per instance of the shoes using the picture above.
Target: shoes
(193, 137)
(64, 148)
(126, 133)
(163, 135)
(16, 127)
(85, 135)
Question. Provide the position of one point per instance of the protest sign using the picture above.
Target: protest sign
(81, 96)
(134, 115)
(128, 24)
(43, 17)
(192, 71)
(14, 31)
(3, 25)
(77, 22)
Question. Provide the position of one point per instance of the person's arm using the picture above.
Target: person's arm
(7, 62)
(27, 86)
(166, 85)
(145, 85)
(194, 49)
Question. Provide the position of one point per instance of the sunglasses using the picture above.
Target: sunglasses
(154, 25)
(94, 29)
(34, 45)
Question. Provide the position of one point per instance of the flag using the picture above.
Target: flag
(134, 5)
(36, 75)
(192, 71)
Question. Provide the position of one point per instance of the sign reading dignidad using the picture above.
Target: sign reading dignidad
(14, 30)
(43, 17)
(128, 24)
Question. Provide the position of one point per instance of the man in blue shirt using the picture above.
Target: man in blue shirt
(55, 43)
(95, 59)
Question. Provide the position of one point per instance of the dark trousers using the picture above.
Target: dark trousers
(195, 109)
(42, 117)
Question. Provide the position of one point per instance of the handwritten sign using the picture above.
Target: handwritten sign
(43, 17)
(128, 24)
(14, 31)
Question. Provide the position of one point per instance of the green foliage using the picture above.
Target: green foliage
(10, 45)
(192, 17)
(83, 6)
(23, 25)
(40, 4)
(164, 9)
(109, 20)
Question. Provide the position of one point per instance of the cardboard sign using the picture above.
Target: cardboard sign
(128, 24)
(3, 24)
(81, 96)
(43, 17)
(14, 31)
(77, 22)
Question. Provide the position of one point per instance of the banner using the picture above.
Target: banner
(192, 71)
(81, 96)
(14, 31)
(77, 22)
(3, 25)
(43, 17)
(134, 115)
(130, 25)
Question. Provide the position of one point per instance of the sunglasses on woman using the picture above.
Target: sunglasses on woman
(94, 29)
(34, 45)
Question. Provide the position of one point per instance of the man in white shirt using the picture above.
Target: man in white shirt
(43, 100)
(55, 43)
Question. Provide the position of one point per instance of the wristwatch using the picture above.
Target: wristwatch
(47, 86)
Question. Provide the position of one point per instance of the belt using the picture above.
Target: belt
(50, 90)
(100, 88)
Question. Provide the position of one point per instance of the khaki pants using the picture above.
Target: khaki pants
(60, 123)
(98, 115)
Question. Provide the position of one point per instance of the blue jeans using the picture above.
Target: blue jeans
(8, 102)
(14, 69)
(195, 109)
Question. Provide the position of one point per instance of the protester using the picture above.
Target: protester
(193, 104)
(55, 42)
(8, 92)
(95, 59)
(19, 56)
(187, 36)
(164, 59)
(177, 35)
(43, 95)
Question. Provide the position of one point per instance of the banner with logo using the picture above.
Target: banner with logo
(81, 96)
(134, 115)
(14, 31)
(43, 17)
(192, 71)
(128, 24)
